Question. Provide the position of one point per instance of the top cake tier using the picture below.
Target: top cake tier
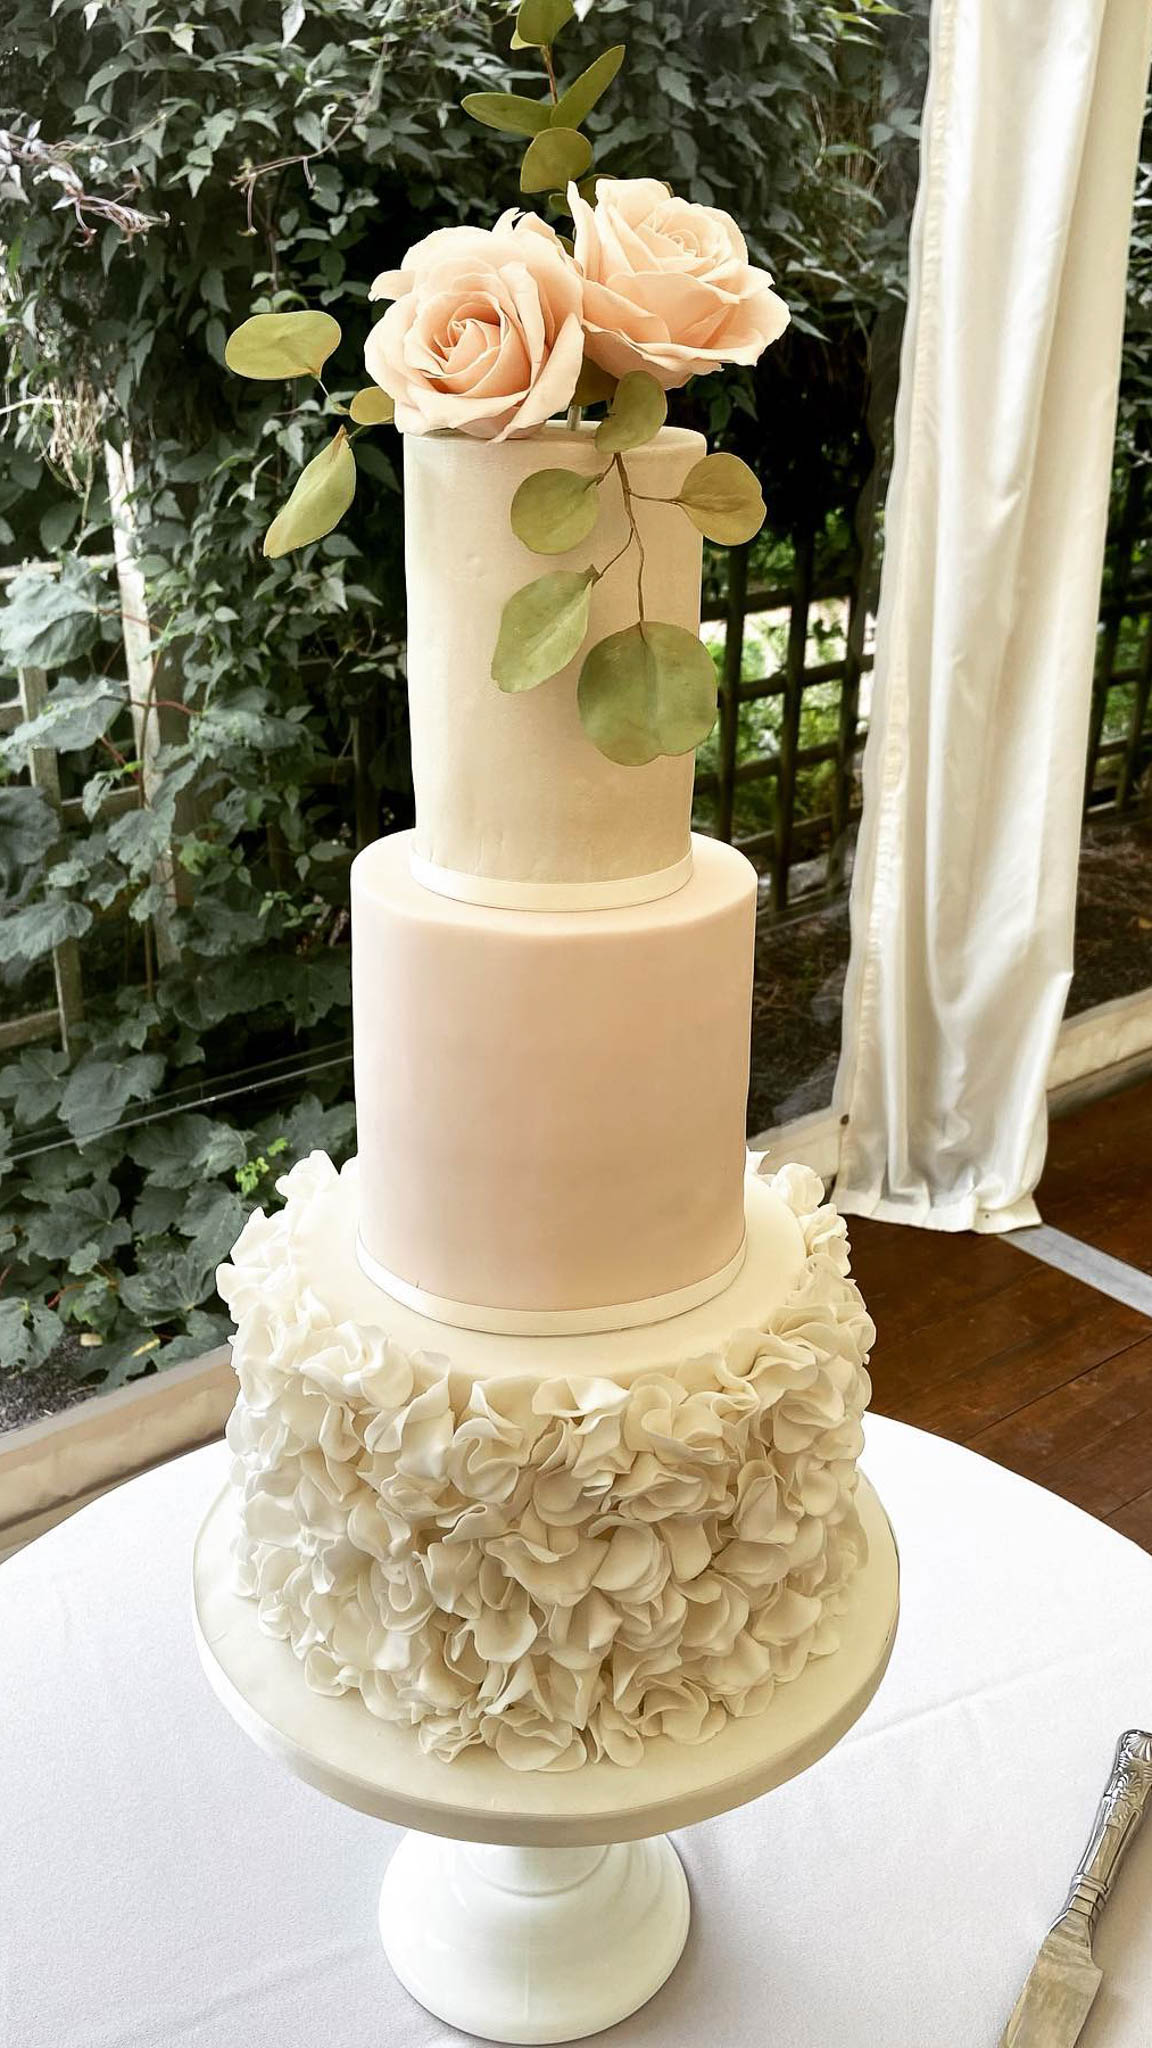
(514, 805)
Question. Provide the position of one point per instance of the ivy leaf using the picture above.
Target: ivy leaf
(126, 1358)
(57, 524)
(158, 1209)
(205, 1332)
(539, 22)
(29, 825)
(372, 407)
(511, 112)
(29, 1332)
(187, 1149)
(292, 15)
(80, 1217)
(636, 414)
(213, 1220)
(722, 497)
(541, 628)
(555, 510)
(34, 1083)
(30, 933)
(49, 621)
(273, 345)
(322, 494)
(309, 1127)
(577, 103)
(74, 717)
(99, 1089)
(646, 691)
(554, 157)
(172, 1283)
(140, 838)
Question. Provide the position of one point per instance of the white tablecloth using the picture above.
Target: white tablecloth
(165, 1885)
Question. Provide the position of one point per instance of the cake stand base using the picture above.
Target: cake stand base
(533, 1944)
(504, 1913)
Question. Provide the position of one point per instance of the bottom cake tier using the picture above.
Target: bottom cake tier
(553, 1546)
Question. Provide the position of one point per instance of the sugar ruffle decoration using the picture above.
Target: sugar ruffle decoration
(558, 1569)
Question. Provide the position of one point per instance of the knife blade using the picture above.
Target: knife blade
(1063, 1981)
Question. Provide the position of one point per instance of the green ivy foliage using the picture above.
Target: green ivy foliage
(165, 172)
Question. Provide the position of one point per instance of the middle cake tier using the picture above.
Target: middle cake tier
(551, 1105)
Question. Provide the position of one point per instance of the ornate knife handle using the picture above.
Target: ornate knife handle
(1118, 1816)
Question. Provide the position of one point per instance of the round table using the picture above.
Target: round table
(162, 1882)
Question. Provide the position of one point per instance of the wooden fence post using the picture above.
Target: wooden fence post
(1124, 543)
(44, 774)
(148, 720)
(730, 688)
(790, 721)
(1130, 762)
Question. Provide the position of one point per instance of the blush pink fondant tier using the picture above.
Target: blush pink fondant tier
(551, 1105)
(508, 789)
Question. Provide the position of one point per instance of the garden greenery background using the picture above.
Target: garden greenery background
(164, 172)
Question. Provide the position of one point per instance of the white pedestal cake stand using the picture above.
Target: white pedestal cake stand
(534, 1906)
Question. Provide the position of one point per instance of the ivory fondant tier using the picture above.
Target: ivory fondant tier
(553, 1547)
(551, 1104)
(513, 804)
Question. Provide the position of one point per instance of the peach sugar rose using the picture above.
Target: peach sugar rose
(485, 335)
(668, 287)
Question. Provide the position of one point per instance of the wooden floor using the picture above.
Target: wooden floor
(980, 1342)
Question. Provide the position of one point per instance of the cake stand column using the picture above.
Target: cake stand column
(533, 1944)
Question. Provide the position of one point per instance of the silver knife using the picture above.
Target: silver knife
(1063, 1981)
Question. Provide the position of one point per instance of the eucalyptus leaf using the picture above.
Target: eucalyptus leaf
(511, 112)
(372, 407)
(555, 510)
(272, 345)
(594, 386)
(542, 628)
(554, 157)
(539, 22)
(722, 497)
(577, 103)
(322, 495)
(636, 414)
(647, 691)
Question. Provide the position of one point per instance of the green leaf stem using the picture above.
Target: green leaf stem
(647, 691)
(554, 157)
(273, 345)
(322, 495)
(722, 497)
(638, 410)
(511, 112)
(555, 510)
(575, 105)
(539, 22)
(542, 629)
(372, 407)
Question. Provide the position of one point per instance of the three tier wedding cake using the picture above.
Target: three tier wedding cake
(550, 1402)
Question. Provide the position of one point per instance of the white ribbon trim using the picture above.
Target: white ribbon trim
(558, 1322)
(497, 893)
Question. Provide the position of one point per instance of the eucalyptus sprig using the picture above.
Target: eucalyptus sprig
(558, 153)
(651, 688)
(270, 346)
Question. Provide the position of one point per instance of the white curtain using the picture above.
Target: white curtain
(964, 891)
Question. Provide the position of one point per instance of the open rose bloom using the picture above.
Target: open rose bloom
(485, 335)
(668, 287)
(490, 325)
